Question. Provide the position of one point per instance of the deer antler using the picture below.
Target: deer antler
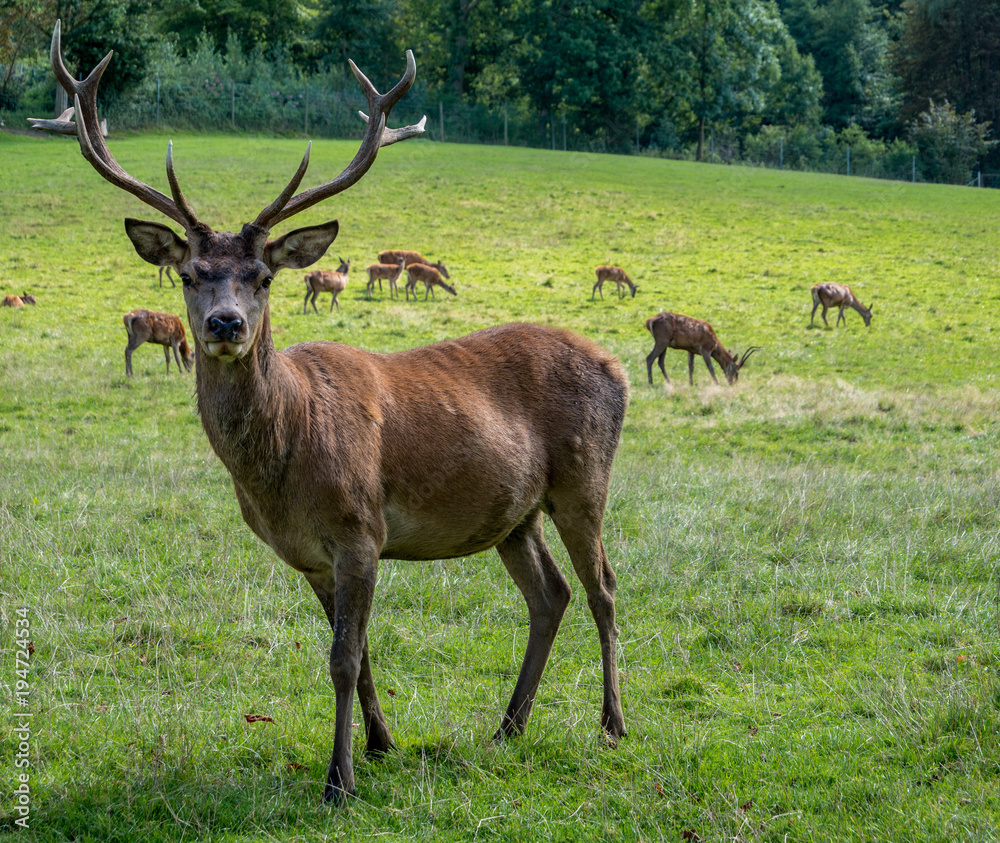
(747, 353)
(376, 136)
(95, 150)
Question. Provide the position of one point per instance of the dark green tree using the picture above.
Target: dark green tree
(581, 59)
(950, 49)
(267, 25)
(950, 143)
(720, 63)
(366, 31)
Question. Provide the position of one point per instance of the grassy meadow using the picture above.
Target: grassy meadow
(807, 561)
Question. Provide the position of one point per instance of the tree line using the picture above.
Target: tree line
(894, 79)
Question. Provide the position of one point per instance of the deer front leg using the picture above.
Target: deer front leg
(812, 316)
(334, 302)
(840, 315)
(166, 357)
(346, 595)
(708, 362)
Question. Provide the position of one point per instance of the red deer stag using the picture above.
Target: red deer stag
(616, 274)
(161, 328)
(672, 330)
(11, 300)
(429, 277)
(341, 457)
(393, 255)
(321, 281)
(390, 272)
(829, 295)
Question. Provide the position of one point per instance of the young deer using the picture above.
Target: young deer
(12, 300)
(390, 272)
(341, 457)
(161, 328)
(672, 330)
(430, 278)
(829, 294)
(616, 274)
(321, 281)
(170, 277)
(393, 255)
(27, 298)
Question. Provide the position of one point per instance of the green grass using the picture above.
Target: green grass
(808, 561)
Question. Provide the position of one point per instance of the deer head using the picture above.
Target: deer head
(227, 276)
(732, 369)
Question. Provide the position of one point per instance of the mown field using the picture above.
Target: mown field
(807, 561)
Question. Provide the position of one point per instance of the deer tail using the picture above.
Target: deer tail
(127, 319)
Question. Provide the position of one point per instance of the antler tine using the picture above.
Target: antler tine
(376, 136)
(748, 352)
(264, 218)
(91, 139)
(175, 188)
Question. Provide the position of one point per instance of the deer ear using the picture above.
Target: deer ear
(300, 248)
(157, 244)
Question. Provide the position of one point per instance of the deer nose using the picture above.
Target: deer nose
(225, 328)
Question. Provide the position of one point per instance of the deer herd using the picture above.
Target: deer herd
(341, 457)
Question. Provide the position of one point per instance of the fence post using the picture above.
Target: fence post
(637, 135)
(711, 146)
(307, 109)
(848, 160)
(157, 99)
(781, 153)
(564, 133)
(914, 169)
(441, 118)
(505, 124)
(232, 104)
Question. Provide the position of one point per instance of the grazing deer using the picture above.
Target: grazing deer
(393, 255)
(11, 300)
(27, 298)
(672, 330)
(390, 272)
(829, 294)
(341, 457)
(321, 281)
(429, 276)
(616, 274)
(170, 277)
(161, 328)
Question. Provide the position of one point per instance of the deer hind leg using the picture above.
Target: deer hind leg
(812, 316)
(177, 356)
(334, 302)
(578, 518)
(598, 288)
(840, 316)
(305, 304)
(658, 353)
(133, 343)
(529, 563)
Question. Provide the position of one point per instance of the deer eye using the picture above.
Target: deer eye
(267, 282)
(185, 279)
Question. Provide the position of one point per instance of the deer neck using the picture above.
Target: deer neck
(249, 408)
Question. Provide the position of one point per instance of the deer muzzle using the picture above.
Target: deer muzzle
(225, 335)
